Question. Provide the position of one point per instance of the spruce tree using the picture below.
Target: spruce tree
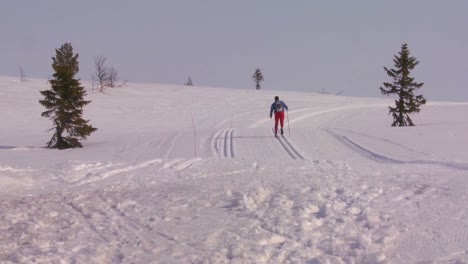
(65, 101)
(403, 86)
(257, 77)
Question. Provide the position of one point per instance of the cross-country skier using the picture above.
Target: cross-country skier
(278, 107)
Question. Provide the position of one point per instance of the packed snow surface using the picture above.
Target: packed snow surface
(179, 174)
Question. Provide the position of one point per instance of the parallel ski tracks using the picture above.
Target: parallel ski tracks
(223, 143)
(288, 147)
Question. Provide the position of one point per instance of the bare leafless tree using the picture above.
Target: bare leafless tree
(189, 82)
(113, 77)
(22, 74)
(124, 83)
(101, 73)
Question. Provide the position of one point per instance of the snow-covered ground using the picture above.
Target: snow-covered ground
(342, 186)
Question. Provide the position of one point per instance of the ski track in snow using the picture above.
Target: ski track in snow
(381, 158)
(72, 175)
(294, 149)
(330, 110)
(174, 165)
(381, 139)
(287, 146)
(172, 144)
(223, 143)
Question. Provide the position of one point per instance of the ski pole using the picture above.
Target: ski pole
(289, 128)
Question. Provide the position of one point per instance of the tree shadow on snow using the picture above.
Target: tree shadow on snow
(7, 147)
(16, 147)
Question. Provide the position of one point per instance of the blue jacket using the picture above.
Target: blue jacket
(274, 108)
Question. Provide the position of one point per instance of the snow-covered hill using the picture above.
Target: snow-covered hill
(342, 186)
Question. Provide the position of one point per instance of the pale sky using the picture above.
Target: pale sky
(301, 45)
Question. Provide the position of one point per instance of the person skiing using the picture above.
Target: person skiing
(278, 107)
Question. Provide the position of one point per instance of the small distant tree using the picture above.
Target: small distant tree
(257, 77)
(21, 73)
(403, 86)
(101, 73)
(189, 82)
(65, 101)
(104, 76)
(113, 77)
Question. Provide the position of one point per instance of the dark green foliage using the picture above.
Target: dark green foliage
(65, 101)
(257, 77)
(403, 85)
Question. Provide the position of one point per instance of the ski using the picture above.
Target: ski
(273, 130)
(276, 135)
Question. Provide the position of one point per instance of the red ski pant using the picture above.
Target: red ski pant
(279, 116)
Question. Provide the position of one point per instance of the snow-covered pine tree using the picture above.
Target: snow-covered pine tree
(257, 77)
(403, 85)
(65, 101)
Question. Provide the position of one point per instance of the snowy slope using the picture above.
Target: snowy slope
(341, 187)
